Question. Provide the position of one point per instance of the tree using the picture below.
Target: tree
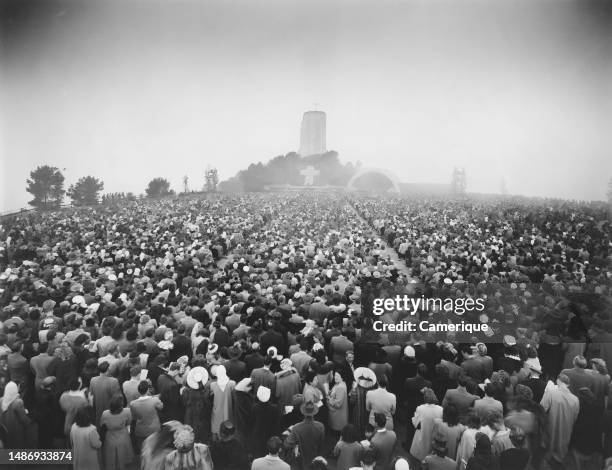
(85, 191)
(46, 184)
(158, 187)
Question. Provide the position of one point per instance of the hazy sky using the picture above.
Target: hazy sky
(128, 90)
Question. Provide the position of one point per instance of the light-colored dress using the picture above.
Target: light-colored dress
(337, 403)
(222, 405)
(85, 447)
(117, 449)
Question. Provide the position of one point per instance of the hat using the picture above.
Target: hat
(509, 340)
(309, 408)
(48, 304)
(213, 348)
(196, 376)
(273, 353)
(409, 352)
(401, 464)
(47, 382)
(365, 376)
(263, 394)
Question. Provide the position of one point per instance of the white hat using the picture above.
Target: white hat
(365, 377)
(196, 376)
(263, 394)
(409, 351)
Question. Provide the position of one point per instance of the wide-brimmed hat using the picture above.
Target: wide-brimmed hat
(196, 376)
(365, 376)
(309, 408)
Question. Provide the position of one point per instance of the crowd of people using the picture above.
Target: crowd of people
(236, 332)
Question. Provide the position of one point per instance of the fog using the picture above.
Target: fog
(127, 91)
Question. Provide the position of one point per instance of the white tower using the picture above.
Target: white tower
(312, 137)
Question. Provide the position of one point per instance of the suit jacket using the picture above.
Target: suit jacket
(265, 377)
(384, 443)
(144, 412)
(308, 435)
(103, 388)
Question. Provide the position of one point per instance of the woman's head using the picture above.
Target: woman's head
(116, 404)
(483, 445)
(349, 434)
(83, 417)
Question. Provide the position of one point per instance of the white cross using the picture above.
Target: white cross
(309, 173)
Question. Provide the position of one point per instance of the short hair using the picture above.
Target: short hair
(422, 369)
(83, 417)
(43, 347)
(463, 380)
(143, 387)
(580, 361)
(103, 367)
(473, 420)
(349, 434)
(383, 381)
(564, 378)
(274, 445)
(450, 414)
(380, 419)
(116, 404)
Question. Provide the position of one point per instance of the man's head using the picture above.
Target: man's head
(381, 420)
(350, 356)
(135, 371)
(580, 362)
(274, 445)
(563, 379)
(103, 367)
(143, 387)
